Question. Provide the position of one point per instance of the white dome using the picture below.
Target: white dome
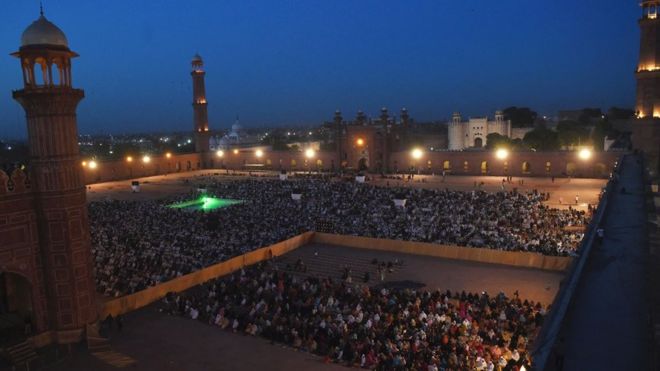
(43, 32)
(236, 128)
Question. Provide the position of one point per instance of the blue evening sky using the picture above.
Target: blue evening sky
(276, 62)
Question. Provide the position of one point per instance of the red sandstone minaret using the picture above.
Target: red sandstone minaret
(50, 104)
(200, 113)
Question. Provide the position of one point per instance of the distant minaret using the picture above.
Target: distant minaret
(384, 116)
(405, 118)
(200, 113)
(648, 70)
(339, 136)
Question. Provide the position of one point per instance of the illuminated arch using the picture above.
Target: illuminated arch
(526, 167)
(484, 167)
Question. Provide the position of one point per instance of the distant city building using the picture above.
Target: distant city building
(473, 133)
(237, 137)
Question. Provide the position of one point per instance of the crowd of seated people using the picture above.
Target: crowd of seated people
(137, 244)
(362, 326)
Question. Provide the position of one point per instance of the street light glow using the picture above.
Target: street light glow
(146, 159)
(310, 153)
(220, 153)
(360, 142)
(235, 151)
(502, 154)
(168, 155)
(129, 159)
(92, 165)
(84, 163)
(259, 153)
(584, 154)
(417, 153)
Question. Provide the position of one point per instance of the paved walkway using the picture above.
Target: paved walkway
(606, 327)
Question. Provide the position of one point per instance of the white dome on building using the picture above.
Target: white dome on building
(236, 128)
(43, 32)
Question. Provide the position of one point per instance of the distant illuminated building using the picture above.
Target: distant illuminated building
(365, 144)
(236, 137)
(473, 133)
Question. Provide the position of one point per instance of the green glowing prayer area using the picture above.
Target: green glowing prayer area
(205, 203)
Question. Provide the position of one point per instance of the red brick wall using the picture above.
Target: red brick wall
(19, 241)
(560, 163)
(158, 165)
(537, 163)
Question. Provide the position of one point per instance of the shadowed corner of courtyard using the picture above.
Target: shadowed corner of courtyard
(158, 341)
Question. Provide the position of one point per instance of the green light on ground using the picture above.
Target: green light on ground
(205, 203)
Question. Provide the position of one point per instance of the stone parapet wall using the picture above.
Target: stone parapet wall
(481, 255)
(147, 296)
(516, 259)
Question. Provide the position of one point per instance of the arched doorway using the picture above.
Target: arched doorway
(363, 164)
(466, 166)
(548, 167)
(571, 168)
(15, 307)
(478, 142)
(526, 167)
(484, 167)
(446, 166)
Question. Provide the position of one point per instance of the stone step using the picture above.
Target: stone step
(22, 353)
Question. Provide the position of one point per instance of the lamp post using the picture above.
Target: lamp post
(309, 154)
(145, 161)
(416, 154)
(502, 154)
(129, 160)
